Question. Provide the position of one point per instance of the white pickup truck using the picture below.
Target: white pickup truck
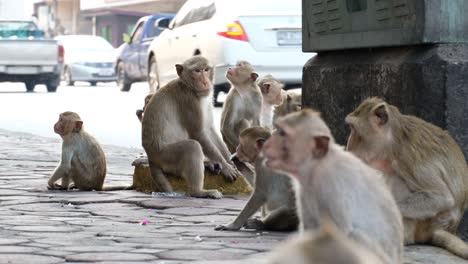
(25, 56)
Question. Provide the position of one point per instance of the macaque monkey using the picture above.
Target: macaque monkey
(292, 102)
(423, 165)
(83, 161)
(272, 94)
(140, 112)
(178, 130)
(243, 103)
(325, 246)
(273, 190)
(335, 184)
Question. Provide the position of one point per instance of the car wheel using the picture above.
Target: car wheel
(153, 78)
(67, 77)
(52, 84)
(30, 86)
(93, 83)
(123, 82)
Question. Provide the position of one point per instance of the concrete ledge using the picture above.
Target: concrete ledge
(143, 182)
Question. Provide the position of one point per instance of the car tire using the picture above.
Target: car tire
(93, 83)
(67, 77)
(153, 77)
(52, 84)
(123, 82)
(30, 86)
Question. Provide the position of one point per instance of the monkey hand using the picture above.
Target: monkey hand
(213, 167)
(228, 227)
(230, 172)
(254, 223)
(139, 114)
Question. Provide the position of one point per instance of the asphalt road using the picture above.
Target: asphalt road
(108, 113)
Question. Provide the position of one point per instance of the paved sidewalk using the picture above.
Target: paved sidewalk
(41, 226)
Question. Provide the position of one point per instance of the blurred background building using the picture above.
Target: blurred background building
(107, 18)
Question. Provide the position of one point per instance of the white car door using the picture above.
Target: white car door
(179, 43)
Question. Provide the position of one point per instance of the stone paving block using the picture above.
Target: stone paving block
(29, 259)
(12, 241)
(200, 219)
(77, 249)
(43, 228)
(190, 211)
(18, 249)
(198, 255)
(110, 256)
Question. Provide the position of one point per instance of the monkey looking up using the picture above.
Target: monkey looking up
(83, 161)
(325, 246)
(335, 184)
(423, 165)
(272, 190)
(272, 94)
(178, 130)
(292, 102)
(243, 104)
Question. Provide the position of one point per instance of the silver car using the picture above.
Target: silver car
(87, 58)
(267, 33)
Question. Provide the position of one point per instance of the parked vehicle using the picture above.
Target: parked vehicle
(267, 33)
(87, 58)
(132, 58)
(26, 56)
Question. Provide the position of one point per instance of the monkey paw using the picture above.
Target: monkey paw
(213, 167)
(230, 172)
(228, 227)
(56, 186)
(254, 223)
(215, 194)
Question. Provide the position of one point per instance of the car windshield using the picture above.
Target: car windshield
(19, 29)
(84, 44)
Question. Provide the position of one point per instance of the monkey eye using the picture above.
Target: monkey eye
(207, 69)
(281, 132)
(197, 70)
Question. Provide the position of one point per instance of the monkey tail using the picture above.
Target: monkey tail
(451, 242)
(117, 188)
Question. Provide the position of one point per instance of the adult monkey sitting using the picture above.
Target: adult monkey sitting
(178, 130)
(423, 165)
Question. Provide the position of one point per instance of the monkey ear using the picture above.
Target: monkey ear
(78, 126)
(179, 69)
(321, 146)
(253, 76)
(381, 113)
(259, 143)
(265, 88)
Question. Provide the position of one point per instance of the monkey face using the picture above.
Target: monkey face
(68, 122)
(369, 129)
(202, 77)
(59, 126)
(242, 73)
(278, 150)
(198, 74)
(246, 150)
(273, 92)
